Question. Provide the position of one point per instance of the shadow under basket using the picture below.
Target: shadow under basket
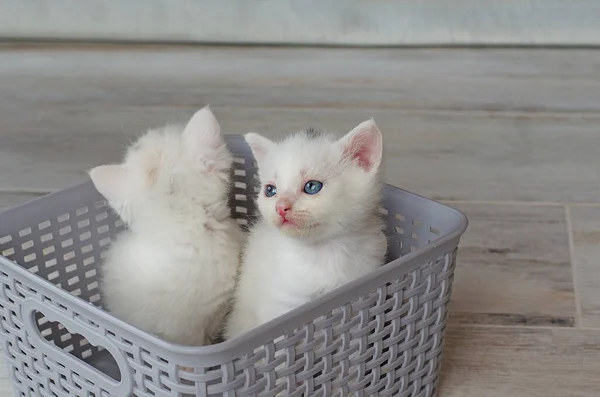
(381, 335)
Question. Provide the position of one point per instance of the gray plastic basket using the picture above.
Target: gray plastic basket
(381, 335)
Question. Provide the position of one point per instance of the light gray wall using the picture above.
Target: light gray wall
(355, 22)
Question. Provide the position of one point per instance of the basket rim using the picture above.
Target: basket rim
(272, 329)
(227, 350)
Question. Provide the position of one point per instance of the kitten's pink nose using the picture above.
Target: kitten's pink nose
(283, 206)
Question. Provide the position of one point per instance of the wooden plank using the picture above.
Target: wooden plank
(520, 362)
(448, 79)
(444, 155)
(355, 22)
(586, 259)
(513, 267)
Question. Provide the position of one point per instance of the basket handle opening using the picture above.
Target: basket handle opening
(114, 382)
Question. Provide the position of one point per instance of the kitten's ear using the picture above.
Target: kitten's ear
(111, 181)
(364, 145)
(259, 144)
(203, 130)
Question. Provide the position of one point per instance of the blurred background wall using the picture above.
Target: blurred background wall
(335, 22)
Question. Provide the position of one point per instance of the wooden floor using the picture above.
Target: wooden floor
(511, 137)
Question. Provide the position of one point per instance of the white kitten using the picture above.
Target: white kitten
(319, 225)
(172, 273)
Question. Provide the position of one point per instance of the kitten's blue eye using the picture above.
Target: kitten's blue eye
(270, 190)
(313, 187)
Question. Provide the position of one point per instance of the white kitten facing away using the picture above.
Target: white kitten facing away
(319, 226)
(172, 273)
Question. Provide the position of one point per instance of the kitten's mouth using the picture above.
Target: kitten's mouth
(287, 223)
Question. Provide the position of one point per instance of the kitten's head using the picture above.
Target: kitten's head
(168, 172)
(314, 185)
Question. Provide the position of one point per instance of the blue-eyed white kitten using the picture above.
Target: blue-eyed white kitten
(319, 225)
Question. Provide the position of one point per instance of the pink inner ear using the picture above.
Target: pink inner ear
(363, 158)
(363, 148)
(258, 150)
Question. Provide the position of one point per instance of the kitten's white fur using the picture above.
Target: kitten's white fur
(337, 236)
(172, 273)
